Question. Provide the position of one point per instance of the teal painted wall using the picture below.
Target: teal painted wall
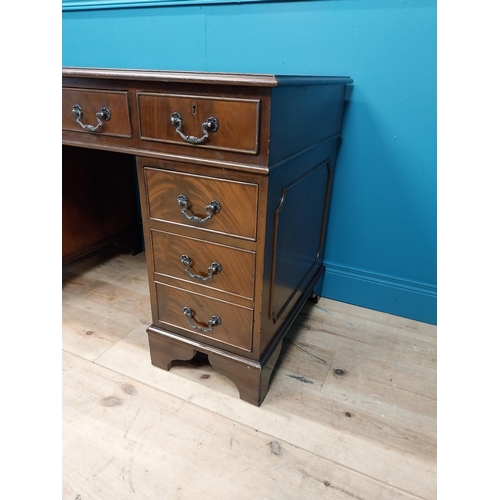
(381, 244)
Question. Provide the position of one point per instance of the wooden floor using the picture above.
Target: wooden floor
(350, 413)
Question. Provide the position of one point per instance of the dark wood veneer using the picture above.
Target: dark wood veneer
(235, 329)
(93, 101)
(238, 119)
(238, 201)
(98, 202)
(270, 166)
(238, 266)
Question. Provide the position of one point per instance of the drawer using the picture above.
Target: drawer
(210, 265)
(237, 129)
(92, 102)
(236, 322)
(234, 213)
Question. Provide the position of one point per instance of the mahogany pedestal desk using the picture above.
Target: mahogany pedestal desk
(235, 174)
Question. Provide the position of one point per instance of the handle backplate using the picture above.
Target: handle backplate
(105, 114)
(211, 125)
(212, 208)
(214, 268)
(212, 322)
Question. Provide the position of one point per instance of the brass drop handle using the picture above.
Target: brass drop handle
(212, 322)
(211, 125)
(212, 208)
(215, 268)
(105, 114)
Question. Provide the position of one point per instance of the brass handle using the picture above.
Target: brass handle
(212, 322)
(212, 208)
(105, 114)
(215, 268)
(211, 125)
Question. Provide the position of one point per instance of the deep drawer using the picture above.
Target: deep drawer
(210, 265)
(236, 322)
(238, 121)
(236, 202)
(92, 102)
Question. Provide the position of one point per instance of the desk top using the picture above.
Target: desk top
(247, 79)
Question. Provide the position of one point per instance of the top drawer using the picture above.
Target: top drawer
(164, 117)
(92, 102)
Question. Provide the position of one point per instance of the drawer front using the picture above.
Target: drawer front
(236, 214)
(238, 121)
(236, 322)
(210, 265)
(92, 102)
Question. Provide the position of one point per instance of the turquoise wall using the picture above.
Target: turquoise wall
(381, 244)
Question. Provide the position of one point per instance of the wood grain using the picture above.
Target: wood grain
(92, 102)
(131, 430)
(239, 120)
(238, 266)
(176, 196)
(235, 329)
(98, 201)
(238, 201)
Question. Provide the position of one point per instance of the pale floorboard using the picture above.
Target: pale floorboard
(350, 413)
